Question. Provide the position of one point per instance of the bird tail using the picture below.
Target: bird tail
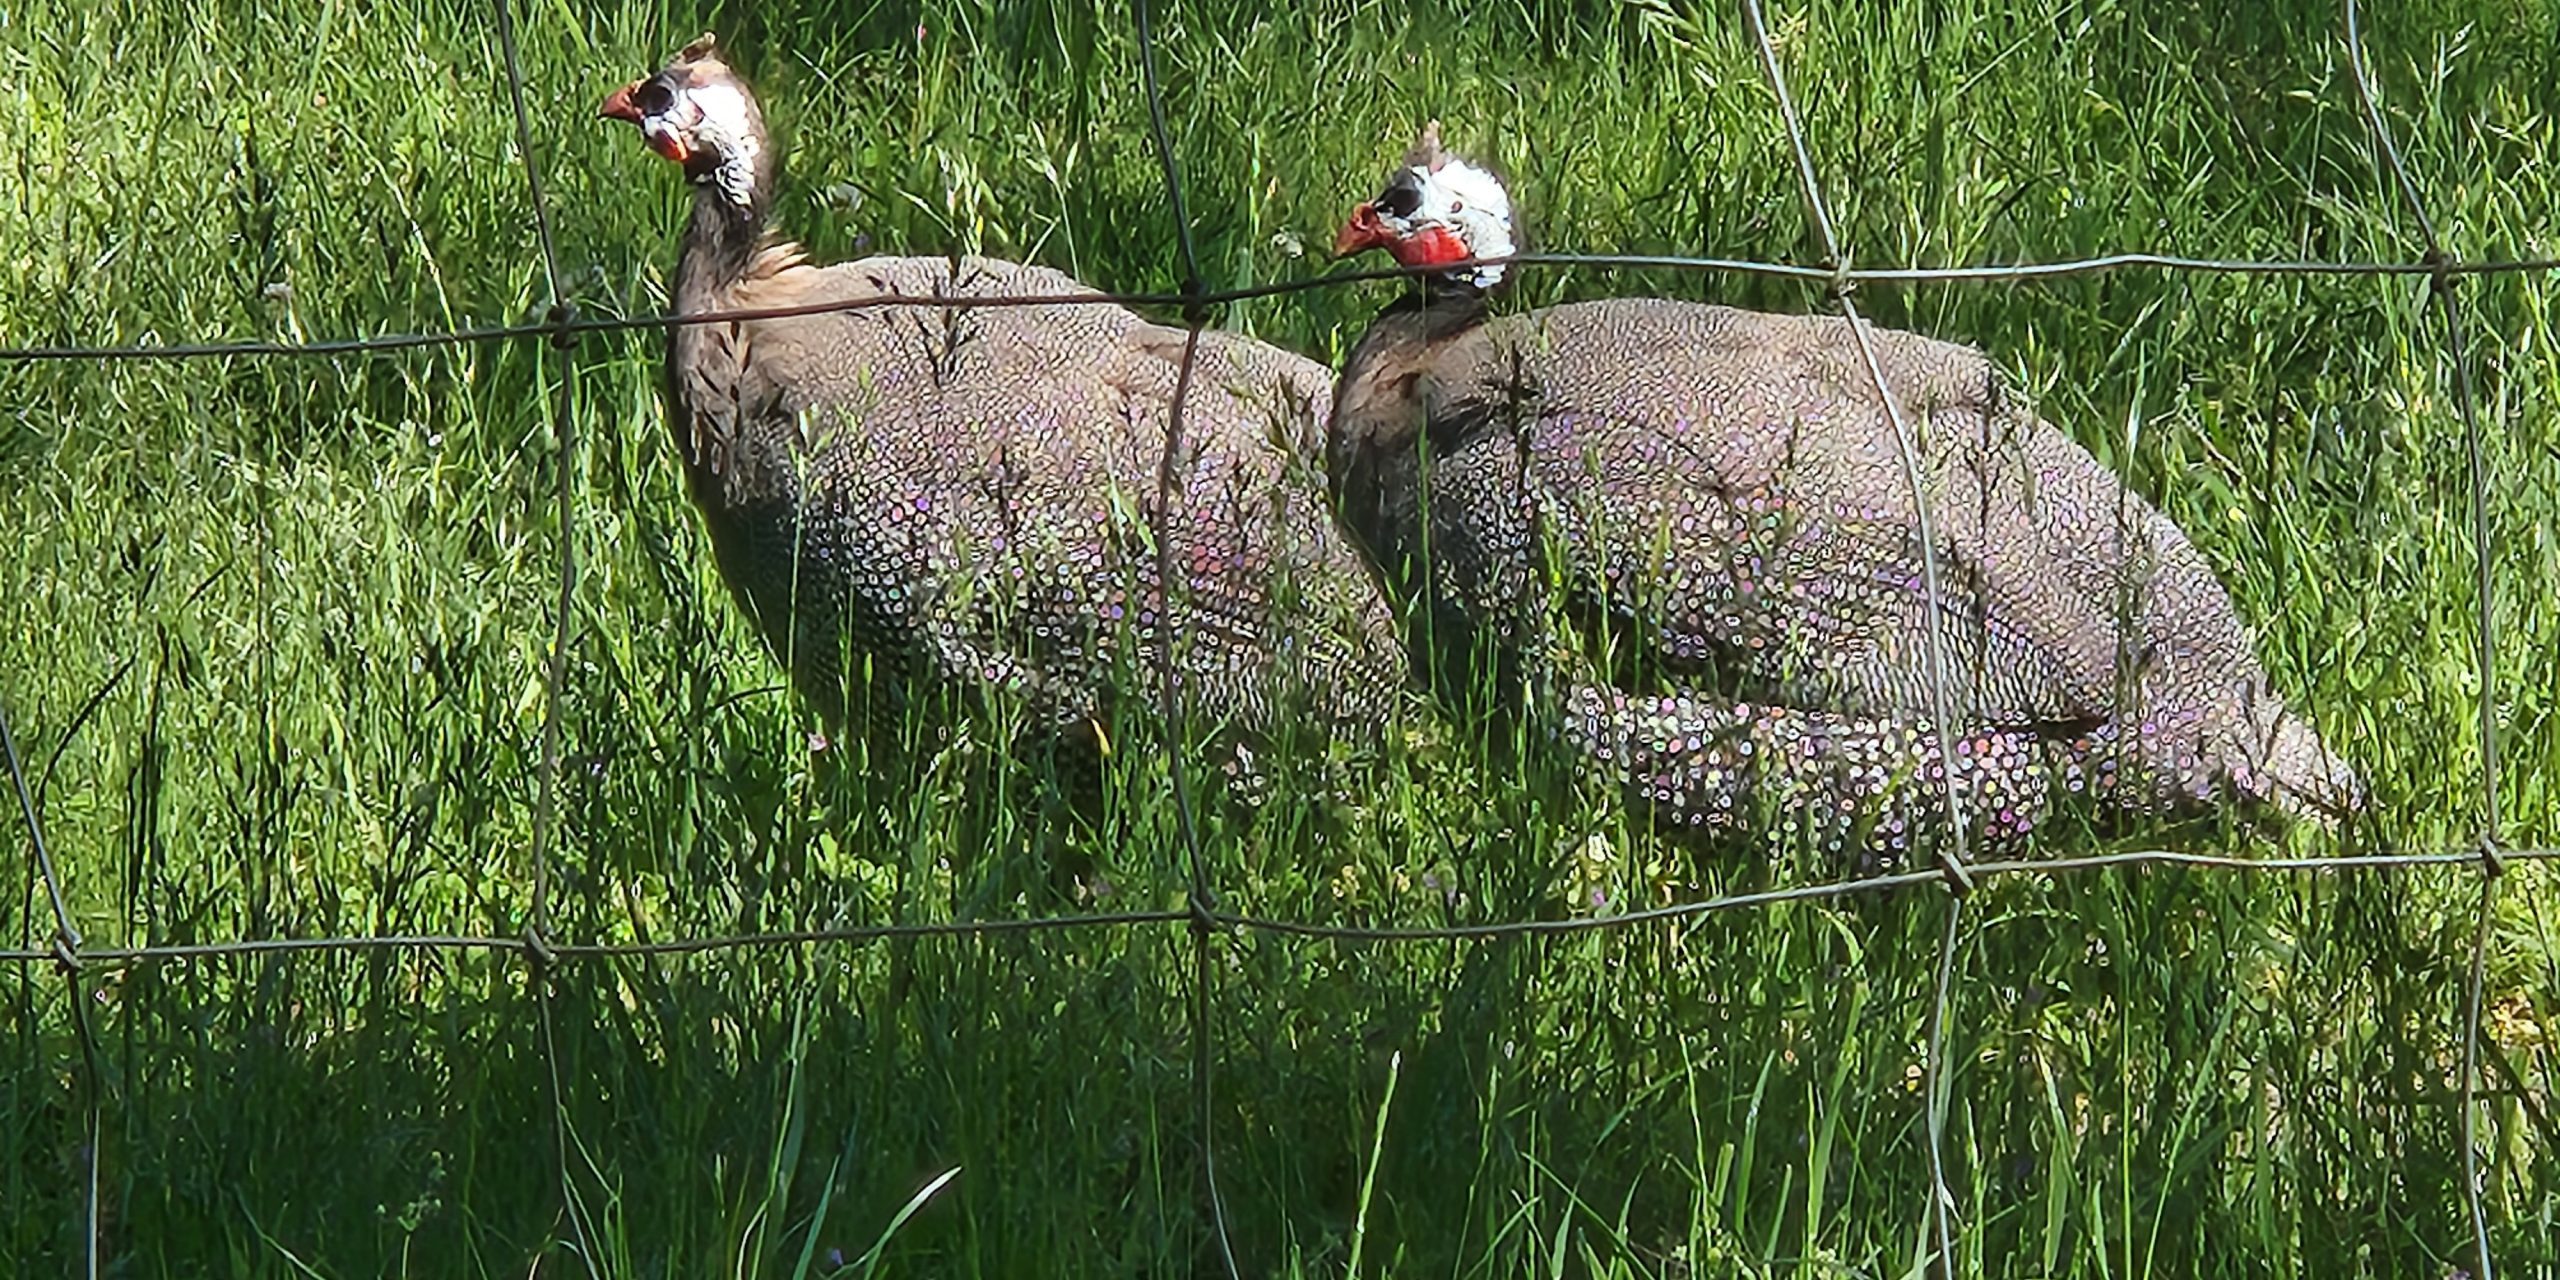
(1864, 789)
(2295, 772)
(1684, 756)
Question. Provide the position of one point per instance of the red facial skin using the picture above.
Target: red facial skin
(617, 106)
(1364, 231)
(1432, 246)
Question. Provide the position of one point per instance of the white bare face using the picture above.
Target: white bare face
(1451, 209)
(705, 122)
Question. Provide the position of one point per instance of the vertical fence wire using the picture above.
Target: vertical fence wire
(564, 443)
(1175, 715)
(1952, 857)
(538, 953)
(65, 953)
(1952, 860)
(2440, 286)
(66, 936)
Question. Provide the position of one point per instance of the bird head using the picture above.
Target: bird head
(698, 113)
(1437, 211)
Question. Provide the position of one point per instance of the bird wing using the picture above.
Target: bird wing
(1727, 485)
(991, 472)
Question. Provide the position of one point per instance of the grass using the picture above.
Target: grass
(278, 631)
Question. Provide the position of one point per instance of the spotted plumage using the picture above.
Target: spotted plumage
(912, 499)
(1691, 523)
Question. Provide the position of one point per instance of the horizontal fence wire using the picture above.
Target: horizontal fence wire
(553, 330)
(1491, 931)
(563, 328)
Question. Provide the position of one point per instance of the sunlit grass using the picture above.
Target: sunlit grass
(279, 628)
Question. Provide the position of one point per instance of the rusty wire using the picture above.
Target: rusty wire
(100, 958)
(65, 954)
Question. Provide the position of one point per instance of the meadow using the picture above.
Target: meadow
(279, 635)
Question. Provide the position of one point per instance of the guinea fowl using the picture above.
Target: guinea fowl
(910, 499)
(1717, 496)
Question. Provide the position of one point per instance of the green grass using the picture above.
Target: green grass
(277, 630)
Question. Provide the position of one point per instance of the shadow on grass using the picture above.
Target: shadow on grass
(2148, 1076)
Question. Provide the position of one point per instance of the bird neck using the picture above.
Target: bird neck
(1434, 311)
(720, 243)
(1372, 452)
(1452, 292)
(721, 240)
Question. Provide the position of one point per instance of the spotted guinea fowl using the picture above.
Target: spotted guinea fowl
(1717, 496)
(912, 499)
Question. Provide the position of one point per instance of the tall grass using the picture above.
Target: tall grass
(279, 630)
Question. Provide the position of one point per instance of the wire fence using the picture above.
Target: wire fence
(1203, 917)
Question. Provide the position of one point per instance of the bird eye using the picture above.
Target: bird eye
(653, 97)
(1401, 198)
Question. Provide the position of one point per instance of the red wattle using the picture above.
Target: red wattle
(1432, 246)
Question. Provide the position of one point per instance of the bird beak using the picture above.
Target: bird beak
(1364, 231)
(617, 105)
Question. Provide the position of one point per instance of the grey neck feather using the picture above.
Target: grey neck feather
(720, 243)
(721, 238)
